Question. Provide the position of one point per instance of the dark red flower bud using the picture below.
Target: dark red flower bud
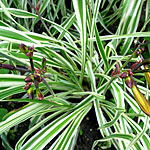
(28, 78)
(45, 69)
(43, 62)
(129, 82)
(29, 54)
(31, 48)
(23, 48)
(30, 51)
(124, 75)
(130, 72)
(135, 64)
(38, 6)
(38, 77)
(39, 94)
(36, 83)
(27, 86)
(30, 92)
(117, 70)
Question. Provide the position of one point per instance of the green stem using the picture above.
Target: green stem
(144, 62)
(129, 59)
(141, 71)
(109, 83)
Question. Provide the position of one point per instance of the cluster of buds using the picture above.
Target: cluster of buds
(130, 82)
(28, 51)
(35, 78)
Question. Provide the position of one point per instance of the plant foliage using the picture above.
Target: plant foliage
(81, 51)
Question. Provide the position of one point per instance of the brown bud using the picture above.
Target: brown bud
(117, 70)
(30, 92)
(38, 6)
(23, 48)
(129, 82)
(39, 94)
(29, 54)
(147, 75)
(135, 64)
(124, 75)
(28, 79)
(27, 86)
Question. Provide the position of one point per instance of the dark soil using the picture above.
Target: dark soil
(88, 132)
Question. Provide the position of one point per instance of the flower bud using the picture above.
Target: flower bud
(45, 69)
(124, 75)
(30, 51)
(139, 97)
(23, 48)
(147, 75)
(38, 77)
(31, 48)
(36, 83)
(28, 78)
(135, 64)
(43, 62)
(38, 6)
(129, 82)
(27, 86)
(30, 92)
(141, 100)
(117, 70)
(39, 94)
(29, 54)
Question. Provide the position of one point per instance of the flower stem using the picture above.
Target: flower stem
(32, 65)
(109, 83)
(37, 11)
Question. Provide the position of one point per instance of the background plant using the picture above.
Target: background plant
(81, 51)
